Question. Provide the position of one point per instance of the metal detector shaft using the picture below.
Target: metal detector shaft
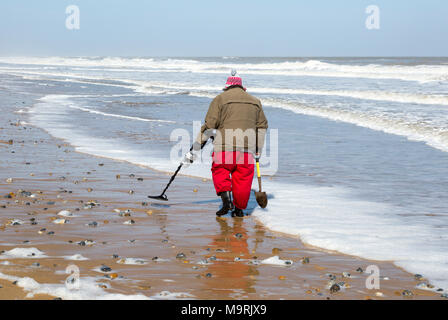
(163, 196)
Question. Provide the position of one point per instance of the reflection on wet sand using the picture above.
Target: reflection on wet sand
(231, 270)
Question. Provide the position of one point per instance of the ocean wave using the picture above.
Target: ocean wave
(420, 73)
(416, 131)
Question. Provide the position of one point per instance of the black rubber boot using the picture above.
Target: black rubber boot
(237, 213)
(226, 203)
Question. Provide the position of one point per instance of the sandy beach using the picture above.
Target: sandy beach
(127, 247)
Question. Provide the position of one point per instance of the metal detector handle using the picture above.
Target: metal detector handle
(181, 164)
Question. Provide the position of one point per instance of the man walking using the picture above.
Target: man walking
(240, 125)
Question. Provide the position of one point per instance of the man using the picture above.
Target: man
(240, 126)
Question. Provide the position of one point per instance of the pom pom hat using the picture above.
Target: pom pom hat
(233, 81)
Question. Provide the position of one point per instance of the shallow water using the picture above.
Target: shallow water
(340, 185)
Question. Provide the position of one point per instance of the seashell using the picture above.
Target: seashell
(129, 222)
(281, 278)
(9, 180)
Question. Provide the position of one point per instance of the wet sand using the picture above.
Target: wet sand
(184, 250)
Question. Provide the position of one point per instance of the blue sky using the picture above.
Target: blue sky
(224, 28)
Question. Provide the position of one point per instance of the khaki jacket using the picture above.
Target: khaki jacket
(239, 121)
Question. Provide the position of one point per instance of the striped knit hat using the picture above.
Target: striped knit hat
(233, 80)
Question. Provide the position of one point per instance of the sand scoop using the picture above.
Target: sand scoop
(260, 196)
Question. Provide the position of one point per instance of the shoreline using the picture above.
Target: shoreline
(222, 256)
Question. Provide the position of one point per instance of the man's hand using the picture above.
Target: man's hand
(189, 158)
(257, 156)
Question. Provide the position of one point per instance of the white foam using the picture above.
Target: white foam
(434, 136)
(119, 115)
(421, 73)
(88, 290)
(76, 257)
(275, 260)
(132, 261)
(167, 295)
(19, 253)
(331, 218)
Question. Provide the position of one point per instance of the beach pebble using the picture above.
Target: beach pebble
(407, 293)
(305, 260)
(360, 270)
(346, 275)
(60, 221)
(444, 295)
(9, 180)
(117, 176)
(281, 278)
(379, 294)
(105, 268)
(335, 288)
(92, 224)
(418, 277)
(180, 256)
(208, 275)
(85, 243)
(42, 231)
(331, 276)
(129, 222)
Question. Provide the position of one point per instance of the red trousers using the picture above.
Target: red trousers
(233, 171)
